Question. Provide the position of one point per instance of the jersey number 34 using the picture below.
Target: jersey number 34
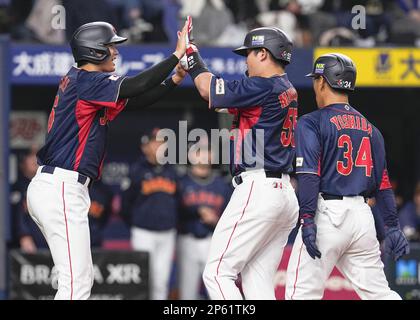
(363, 157)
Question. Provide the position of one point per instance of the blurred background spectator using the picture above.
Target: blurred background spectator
(79, 12)
(150, 208)
(410, 216)
(40, 24)
(213, 23)
(224, 22)
(99, 212)
(26, 233)
(406, 22)
(203, 195)
(5, 21)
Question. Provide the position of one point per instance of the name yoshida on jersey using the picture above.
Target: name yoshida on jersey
(344, 149)
(78, 122)
(266, 104)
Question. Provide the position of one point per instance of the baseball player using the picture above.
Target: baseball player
(253, 230)
(99, 212)
(87, 99)
(203, 195)
(340, 161)
(150, 206)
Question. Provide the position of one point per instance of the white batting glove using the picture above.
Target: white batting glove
(186, 65)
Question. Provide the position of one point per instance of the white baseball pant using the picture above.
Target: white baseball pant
(346, 237)
(192, 256)
(160, 245)
(250, 237)
(59, 205)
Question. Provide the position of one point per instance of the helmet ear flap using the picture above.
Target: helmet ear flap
(100, 54)
(96, 53)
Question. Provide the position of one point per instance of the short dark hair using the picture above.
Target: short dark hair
(277, 61)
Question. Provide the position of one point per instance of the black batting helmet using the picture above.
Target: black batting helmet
(89, 42)
(338, 69)
(273, 39)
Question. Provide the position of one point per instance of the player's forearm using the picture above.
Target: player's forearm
(198, 71)
(152, 77)
(150, 97)
(308, 189)
(202, 83)
(385, 201)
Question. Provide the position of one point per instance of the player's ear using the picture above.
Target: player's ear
(264, 54)
(323, 84)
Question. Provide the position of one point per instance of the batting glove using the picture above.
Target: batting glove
(189, 60)
(309, 235)
(396, 245)
(190, 44)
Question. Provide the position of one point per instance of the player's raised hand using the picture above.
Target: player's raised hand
(191, 47)
(396, 245)
(309, 236)
(179, 75)
(181, 45)
(190, 36)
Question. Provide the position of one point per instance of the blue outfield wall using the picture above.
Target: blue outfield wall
(44, 65)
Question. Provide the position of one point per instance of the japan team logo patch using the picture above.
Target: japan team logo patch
(220, 86)
(299, 161)
(114, 77)
(257, 40)
(319, 68)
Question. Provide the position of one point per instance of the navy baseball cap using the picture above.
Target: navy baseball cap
(337, 69)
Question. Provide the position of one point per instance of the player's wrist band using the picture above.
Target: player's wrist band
(306, 218)
(196, 65)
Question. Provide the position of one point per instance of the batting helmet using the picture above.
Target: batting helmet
(273, 39)
(338, 69)
(89, 42)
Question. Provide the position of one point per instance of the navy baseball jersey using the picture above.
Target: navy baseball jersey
(268, 104)
(99, 211)
(151, 202)
(212, 192)
(341, 146)
(78, 122)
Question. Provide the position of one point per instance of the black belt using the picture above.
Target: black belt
(327, 196)
(50, 169)
(268, 174)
